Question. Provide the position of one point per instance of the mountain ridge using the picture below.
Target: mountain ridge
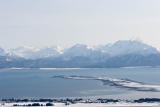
(119, 54)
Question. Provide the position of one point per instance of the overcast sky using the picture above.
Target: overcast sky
(67, 22)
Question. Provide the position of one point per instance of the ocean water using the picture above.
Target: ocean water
(43, 83)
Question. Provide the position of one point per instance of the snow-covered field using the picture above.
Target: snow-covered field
(109, 105)
(87, 104)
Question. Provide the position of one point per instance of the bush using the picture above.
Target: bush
(49, 104)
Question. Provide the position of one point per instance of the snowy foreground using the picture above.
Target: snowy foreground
(86, 105)
(79, 102)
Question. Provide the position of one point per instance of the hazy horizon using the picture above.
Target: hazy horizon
(47, 23)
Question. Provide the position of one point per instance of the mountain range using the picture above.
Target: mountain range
(122, 53)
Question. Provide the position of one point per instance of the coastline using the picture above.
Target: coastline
(75, 68)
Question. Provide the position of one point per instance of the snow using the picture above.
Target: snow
(110, 104)
(121, 47)
(35, 53)
(78, 50)
(87, 104)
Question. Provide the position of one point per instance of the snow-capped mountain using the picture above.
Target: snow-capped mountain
(124, 47)
(120, 54)
(81, 50)
(35, 53)
(78, 50)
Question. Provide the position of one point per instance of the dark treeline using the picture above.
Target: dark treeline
(80, 100)
(34, 104)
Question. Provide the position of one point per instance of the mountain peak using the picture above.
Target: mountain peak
(123, 47)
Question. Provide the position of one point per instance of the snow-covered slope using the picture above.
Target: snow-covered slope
(123, 47)
(120, 54)
(78, 50)
(118, 48)
(35, 53)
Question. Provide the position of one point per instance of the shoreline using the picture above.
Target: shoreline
(74, 68)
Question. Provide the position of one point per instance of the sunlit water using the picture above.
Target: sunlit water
(31, 83)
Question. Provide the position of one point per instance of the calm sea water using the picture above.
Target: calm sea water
(39, 83)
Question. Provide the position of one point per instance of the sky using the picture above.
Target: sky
(67, 22)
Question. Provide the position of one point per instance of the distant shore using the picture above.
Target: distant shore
(74, 68)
